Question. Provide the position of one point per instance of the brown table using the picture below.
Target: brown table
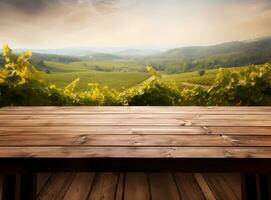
(149, 139)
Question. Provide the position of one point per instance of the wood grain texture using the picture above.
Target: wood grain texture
(220, 187)
(163, 187)
(136, 132)
(104, 187)
(80, 187)
(134, 152)
(208, 193)
(188, 186)
(234, 181)
(131, 122)
(42, 179)
(56, 187)
(120, 188)
(146, 116)
(115, 109)
(137, 187)
(134, 140)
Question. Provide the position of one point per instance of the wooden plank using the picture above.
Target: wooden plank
(104, 187)
(113, 130)
(80, 187)
(56, 187)
(96, 122)
(220, 187)
(253, 117)
(107, 116)
(209, 195)
(140, 130)
(128, 113)
(249, 140)
(42, 179)
(112, 110)
(29, 140)
(125, 122)
(134, 152)
(239, 130)
(228, 122)
(188, 186)
(136, 187)
(120, 188)
(129, 140)
(131, 108)
(187, 116)
(234, 181)
(163, 187)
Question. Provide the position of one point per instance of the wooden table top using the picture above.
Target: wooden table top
(135, 132)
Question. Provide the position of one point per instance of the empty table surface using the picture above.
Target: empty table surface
(135, 132)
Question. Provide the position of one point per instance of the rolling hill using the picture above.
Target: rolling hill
(193, 78)
(186, 59)
(62, 74)
(239, 53)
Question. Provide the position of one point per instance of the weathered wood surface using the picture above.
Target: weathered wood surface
(139, 186)
(135, 132)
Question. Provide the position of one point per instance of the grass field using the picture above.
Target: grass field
(115, 80)
(63, 73)
(101, 65)
(194, 78)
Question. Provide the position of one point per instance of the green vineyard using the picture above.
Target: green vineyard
(22, 84)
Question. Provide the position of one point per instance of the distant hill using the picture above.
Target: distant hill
(178, 60)
(230, 48)
(39, 59)
(136, 52)
(60, 51)
(102, 56)
(207, 57)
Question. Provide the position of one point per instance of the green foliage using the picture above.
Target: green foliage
(251, 86)
(17, 69)
(196, 96)
(151, 92)
(99, 95)
(194, 78)
(20, 81)
(20, 84)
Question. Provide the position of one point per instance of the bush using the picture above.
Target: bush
(152, 92)
(251, 86)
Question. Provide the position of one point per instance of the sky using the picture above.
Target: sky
(131, 23)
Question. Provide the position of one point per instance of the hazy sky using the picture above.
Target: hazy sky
(126, 23)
